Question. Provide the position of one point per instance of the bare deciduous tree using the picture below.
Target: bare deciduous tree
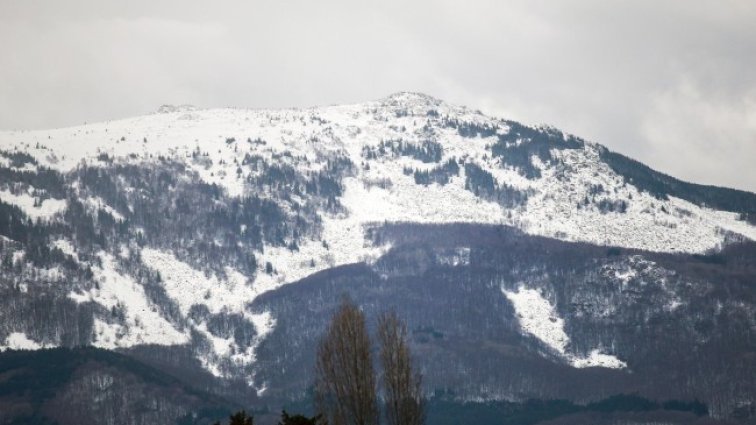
(345, 381)
(401, 384)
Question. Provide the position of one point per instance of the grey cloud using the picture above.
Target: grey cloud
(667, 82)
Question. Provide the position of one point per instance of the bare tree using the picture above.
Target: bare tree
(401, 384)
(345, 381)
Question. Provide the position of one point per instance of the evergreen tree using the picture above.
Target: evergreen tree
(287, 419)
(239, 418)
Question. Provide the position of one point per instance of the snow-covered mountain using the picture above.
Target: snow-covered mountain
(181, 228)
(537, 179)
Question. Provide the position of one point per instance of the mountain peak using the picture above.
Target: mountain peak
(411, 98)
(167, 109)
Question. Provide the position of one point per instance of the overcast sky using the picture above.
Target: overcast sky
(671, 83)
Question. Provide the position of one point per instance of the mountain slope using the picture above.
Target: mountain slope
(90, 386)
(665, 326)
(178, 237)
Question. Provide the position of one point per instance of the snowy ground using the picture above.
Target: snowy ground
(143, 324)
(188, 286)
(33, 207)
(538, 317)
(19, 341)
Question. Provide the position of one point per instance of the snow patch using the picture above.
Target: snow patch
(19, 341)
(538, 317)
(142, 323)
(33, 208)
(66, 247)
(96, 204)
(18, 256)
(455, 257)
(188, 286)
(264, 323)
(648, 223)
(597, 359)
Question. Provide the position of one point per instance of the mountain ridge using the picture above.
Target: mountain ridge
(166, 137)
